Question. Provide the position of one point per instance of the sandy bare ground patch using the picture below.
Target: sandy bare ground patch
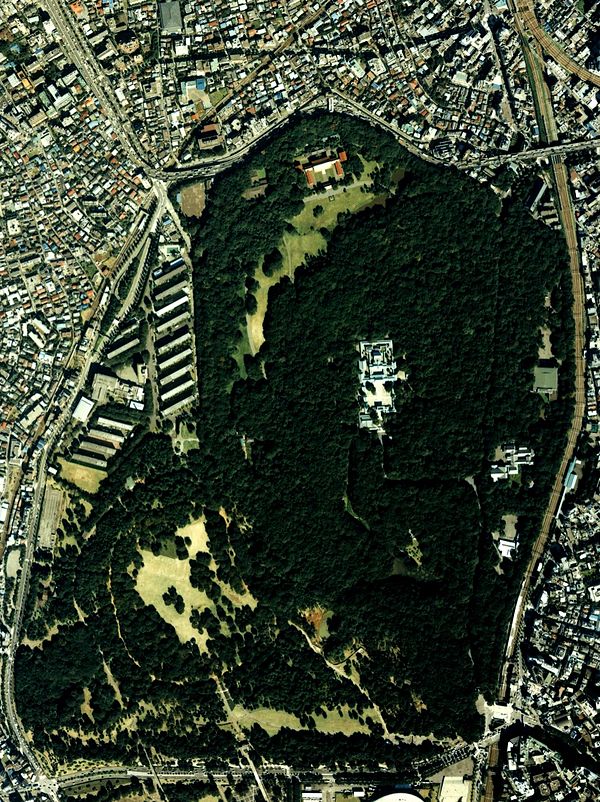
(193, 199)
(81, 476)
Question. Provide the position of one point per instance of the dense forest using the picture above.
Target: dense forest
(319, 514)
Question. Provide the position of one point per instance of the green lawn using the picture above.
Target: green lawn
(306, 240)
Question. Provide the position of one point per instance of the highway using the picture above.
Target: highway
(543, 102)
(80, 52)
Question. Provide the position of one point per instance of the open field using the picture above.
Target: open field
(270, 720)
(341, 722)
(82, 476)
(159, 573)
(196, 531)
(193, 199)
(273, 720)
(307, 240)
(155, 577)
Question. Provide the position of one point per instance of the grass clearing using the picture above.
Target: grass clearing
(320, 210)
(159, 573)
(196, 531)
(270, 720)
(85, 707)
(336, 721)
(82, 476)
(155, 577)
(273, 720)
(113, 683)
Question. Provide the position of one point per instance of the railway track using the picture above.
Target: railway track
(543, 104)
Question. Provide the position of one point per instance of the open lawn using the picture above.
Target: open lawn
(306, 240)
(159, 573)
(273, 720)
(82, 476)
(270, 720)
(196, 531)
(155, 577)
(341, 722)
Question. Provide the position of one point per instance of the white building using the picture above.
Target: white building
(378, 373)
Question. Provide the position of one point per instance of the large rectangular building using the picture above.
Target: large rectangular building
(378, 373)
